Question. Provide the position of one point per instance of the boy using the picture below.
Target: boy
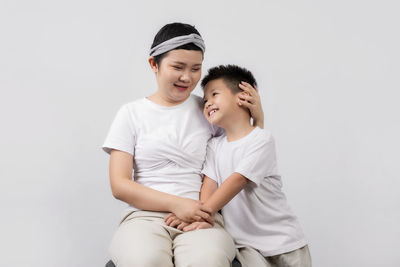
(241, 178)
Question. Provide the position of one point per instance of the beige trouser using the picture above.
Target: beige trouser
(143, 240)
(249, 257)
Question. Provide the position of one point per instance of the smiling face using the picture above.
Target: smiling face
(177, 75)
(220, 107)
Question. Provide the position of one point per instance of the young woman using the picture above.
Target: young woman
(163, 137)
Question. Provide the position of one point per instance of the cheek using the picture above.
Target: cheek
(197, 76)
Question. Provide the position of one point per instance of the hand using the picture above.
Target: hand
(197, 225)
(189, 210)
(250, 99)
(173, 221)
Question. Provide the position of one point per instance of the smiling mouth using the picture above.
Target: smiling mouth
(181, 88)
(211, 112)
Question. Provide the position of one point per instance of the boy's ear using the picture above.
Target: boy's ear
(153, 64)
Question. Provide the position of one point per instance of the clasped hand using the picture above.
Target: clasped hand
(189, 214)
(173, 221)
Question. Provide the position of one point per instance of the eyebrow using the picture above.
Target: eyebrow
(182, 63)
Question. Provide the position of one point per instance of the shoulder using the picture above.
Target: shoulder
(135, 103)
(197, 100)
(263, 135)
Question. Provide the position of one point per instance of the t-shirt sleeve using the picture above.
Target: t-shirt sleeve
(121, 135)
(259, 159)
(209, 164)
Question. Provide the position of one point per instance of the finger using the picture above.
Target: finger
(182, 225)
(197, 218)
(207, 217)
(204, 225)
(168, 216)
(171, 219)
(247, 87)
(246, 104)
(247, 98)
(203, 215)
(206, 209)
(175, 223)
(190, 227)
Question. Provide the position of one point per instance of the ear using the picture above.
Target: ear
(153, 65)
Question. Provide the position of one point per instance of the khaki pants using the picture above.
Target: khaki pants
(143, 240)
(249, 257)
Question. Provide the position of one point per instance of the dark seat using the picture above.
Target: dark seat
(235, 263)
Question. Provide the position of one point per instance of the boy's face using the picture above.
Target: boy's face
(220, 104)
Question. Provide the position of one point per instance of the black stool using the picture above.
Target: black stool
(235, 263)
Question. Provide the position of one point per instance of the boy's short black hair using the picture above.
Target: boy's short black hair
(232, 75)
(172, 30)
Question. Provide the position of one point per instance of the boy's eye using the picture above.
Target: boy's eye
(205, 101)
(214, 94)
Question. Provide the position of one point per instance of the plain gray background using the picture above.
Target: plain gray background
(328, 73)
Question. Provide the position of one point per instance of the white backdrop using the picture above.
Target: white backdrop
(328, 72)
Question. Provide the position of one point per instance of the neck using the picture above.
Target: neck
(237, 129)
(163, 100)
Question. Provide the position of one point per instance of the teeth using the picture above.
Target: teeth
(212, 112)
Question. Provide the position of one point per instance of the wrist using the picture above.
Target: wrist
(173, 203)
(213, 209)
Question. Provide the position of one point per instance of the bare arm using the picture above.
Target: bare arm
(145, 198)
(208, 188)
(215, 198)
(228, 190)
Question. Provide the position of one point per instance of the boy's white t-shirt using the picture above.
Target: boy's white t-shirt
(168, 144)
(258, 216)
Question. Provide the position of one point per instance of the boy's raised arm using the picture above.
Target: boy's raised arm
(228, 190)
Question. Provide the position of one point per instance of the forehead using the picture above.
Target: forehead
(187, 57)
(214, 85)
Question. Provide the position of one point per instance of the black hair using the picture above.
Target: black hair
(172, 30)
(232, 75)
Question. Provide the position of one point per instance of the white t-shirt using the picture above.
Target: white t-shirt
(258, 216)
(168, 144)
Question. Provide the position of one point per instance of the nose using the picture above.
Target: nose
(185, 77)
(208, 104)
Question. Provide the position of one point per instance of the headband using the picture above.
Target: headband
(176, 42)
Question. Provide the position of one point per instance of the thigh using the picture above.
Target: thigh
(141, 241)
(296, 258)
(250, 257)
(204, 247)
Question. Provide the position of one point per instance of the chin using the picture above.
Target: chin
(214, 122)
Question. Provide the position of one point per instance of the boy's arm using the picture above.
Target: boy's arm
(208, 188)
(228, 190)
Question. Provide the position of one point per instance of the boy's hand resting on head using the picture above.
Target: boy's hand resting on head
(250, 99)
(189, 210)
